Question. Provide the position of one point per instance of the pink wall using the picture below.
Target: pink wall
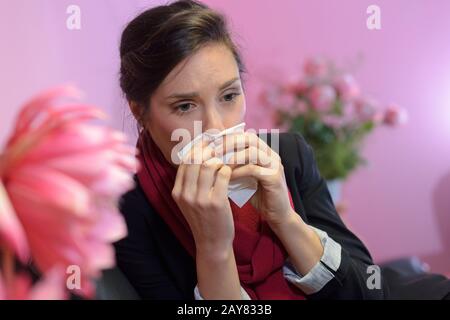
(399, 204)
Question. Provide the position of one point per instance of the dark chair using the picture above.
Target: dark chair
(409, 279)
(113, 285)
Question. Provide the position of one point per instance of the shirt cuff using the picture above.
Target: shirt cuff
(198, 296)
(322, 272)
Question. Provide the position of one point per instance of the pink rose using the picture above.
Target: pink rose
(300, 106)
(315, 68)
(285, 101)
(347, 87)
(322, 97)
(270, 98)
(297, 88)
(365, 109)
(395, 115)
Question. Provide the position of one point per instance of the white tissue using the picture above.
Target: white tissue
(239, 190)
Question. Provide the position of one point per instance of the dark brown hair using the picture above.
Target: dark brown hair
(154, 42)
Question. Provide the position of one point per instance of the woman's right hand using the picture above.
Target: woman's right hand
(201, 193)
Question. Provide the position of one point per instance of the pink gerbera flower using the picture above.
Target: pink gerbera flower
(61, 178)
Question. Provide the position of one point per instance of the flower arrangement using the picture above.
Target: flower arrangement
(326, 106)
(61, 177)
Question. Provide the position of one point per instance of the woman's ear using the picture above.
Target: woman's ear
(136, 109)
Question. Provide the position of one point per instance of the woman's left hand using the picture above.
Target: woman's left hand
(254, 158)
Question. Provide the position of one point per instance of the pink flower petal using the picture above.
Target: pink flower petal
(35, 106)
(10, 228)
(110, 226)
(51, 287)
(48, 188)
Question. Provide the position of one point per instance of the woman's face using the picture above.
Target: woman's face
(204, 87)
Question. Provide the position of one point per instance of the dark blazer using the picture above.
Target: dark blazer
(159, 267)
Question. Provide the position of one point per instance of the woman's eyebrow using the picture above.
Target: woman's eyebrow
(191, 95)
(229, 82)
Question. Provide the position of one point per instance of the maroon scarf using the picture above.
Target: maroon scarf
(259, 254)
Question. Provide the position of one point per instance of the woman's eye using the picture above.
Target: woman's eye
(185, 107)
(230, 96)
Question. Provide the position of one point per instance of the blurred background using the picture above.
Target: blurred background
(398, 203)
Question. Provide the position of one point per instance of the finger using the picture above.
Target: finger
(207, 153)
(220, 189)
(189, 188)
(191, 176)
(176, 191)
(195, 154)
(239, 141)
(250, 155)
(252, 170)
(207, 176)
(231, 142)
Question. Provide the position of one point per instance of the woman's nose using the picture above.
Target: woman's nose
(212, 120)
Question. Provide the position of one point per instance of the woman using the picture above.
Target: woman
(186, 238)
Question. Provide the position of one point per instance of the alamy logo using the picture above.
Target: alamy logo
(73, 21)
(374, 279)
(74, 277)
(373, 21)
